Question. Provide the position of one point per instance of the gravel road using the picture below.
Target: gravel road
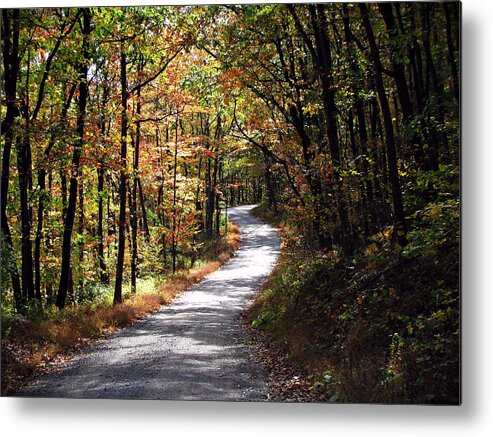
(193, 349)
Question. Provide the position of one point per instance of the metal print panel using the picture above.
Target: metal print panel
(233, 202)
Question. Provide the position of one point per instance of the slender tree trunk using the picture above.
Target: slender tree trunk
(400, 76)
(10, 39)
(101, 172)
(144, 213)
(24, 169)
(43, 195)
(102, 265)
(64, 191)
(217, 166)
(118, 298)
(451, 47)
(39, 232)
(133, 206)
(65, 274)
(361, 120)
(218, 209)
(80, 230)
(209, 204)
(198, 203)
(271, 195)
(325, 56)
(175, 164)
(399, 217)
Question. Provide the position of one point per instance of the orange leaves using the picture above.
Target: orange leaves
(204, 151)
(231, 79)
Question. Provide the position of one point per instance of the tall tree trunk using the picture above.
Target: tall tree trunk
(118, 298)
(271, 195)
(399, 217)
(144, 212)
(217, 165)
(43, 195)
(209, 203)
(173, 232)
(400, 76)
(319, 23)
(65, 275)
(104, 126)
(133, 205)
(361, 119)
(451, 46)
(10, 38)
(80, 230)
(24, 168)
(216, 190)
(103, 275)
(39, 229)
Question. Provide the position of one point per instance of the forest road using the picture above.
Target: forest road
(193, 349)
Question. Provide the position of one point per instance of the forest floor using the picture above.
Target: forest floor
(195, 348)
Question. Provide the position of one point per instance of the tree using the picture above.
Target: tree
(75, 171)
(400, 220)
(11, 60)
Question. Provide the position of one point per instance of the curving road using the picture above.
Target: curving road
(193, 349)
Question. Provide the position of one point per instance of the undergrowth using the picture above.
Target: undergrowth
(374, 328)
(44, 338)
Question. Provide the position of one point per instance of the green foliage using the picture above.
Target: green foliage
(383, 338)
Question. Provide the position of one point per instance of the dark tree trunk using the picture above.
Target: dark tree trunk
(81, 116)
(43, 195)
(271, 195)
(319, 23)
(118, 298)
(64, 190)
(39, 232)
(452, 48)
(397, 66)
(24, 169)
(400, 77)
(103, 275)
(324, 67)
(436, 88)
(218, 209)
(216, 175)
(133, 205)
(10, 38)
(361, 122)
(399, 217)
(175, 212)
(198, 203)
(101, 171)
(209, 204)
(80, 230)
(144, 212)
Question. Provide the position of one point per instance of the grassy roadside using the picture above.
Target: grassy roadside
(41, 343)
(375, 328)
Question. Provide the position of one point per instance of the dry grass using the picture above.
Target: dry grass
(37, 346)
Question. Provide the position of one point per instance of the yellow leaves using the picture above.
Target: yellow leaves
(371, 250)
(410, 329)
(312, 108)
(387, 233)
(434, 212)
(440, 315)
